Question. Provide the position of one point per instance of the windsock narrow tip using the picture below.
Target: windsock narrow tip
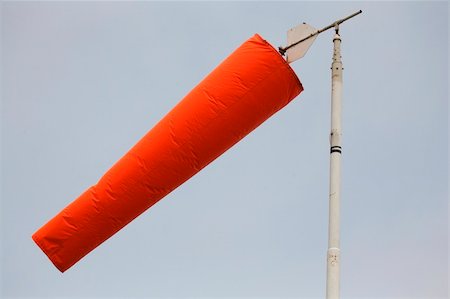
(35, 237)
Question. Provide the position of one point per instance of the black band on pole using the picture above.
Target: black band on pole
(336, 149)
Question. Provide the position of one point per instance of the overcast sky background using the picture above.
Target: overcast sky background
(82, 82)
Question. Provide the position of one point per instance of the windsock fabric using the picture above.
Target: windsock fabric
(248, 87)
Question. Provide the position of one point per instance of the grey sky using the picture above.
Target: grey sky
(82, 82)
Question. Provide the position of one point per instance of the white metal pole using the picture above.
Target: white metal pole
(295, 50)
(333, 253)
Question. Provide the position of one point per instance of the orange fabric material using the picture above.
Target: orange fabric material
(248, 87)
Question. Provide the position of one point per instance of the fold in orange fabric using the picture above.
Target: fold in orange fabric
(248, 87)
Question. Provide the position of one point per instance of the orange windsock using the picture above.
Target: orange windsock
(248, 87)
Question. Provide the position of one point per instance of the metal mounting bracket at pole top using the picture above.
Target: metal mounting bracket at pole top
(336, 24)
(336, 28)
